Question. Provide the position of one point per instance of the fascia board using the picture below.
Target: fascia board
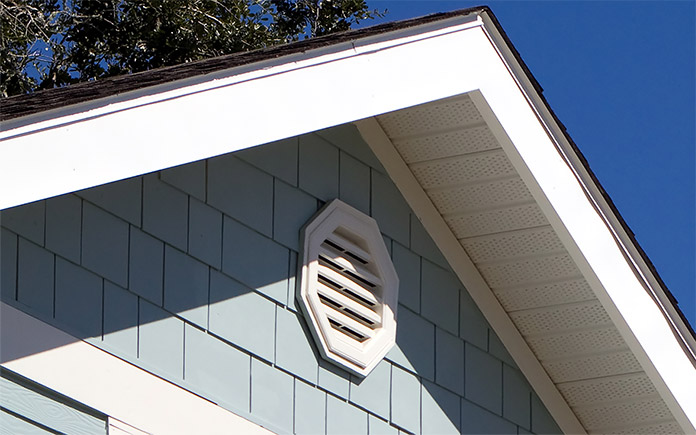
(122, 391)
(153, 132)
(586, 179)
(591, 232)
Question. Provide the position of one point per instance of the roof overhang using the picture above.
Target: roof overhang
(360, 80)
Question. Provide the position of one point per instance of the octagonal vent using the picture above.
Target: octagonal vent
(348, 288)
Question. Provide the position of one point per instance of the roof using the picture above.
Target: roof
(390, 120)
(41, 101)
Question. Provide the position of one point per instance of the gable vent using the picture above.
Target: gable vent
(348, 288)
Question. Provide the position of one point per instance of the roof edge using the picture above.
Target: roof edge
(586, 165)
(46, 100)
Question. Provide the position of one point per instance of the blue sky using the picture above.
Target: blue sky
(621, 76)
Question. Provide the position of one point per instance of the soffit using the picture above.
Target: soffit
(472, 183)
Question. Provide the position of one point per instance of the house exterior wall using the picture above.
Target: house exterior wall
(189, 273)
(28, 408)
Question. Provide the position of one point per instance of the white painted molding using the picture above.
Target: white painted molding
(469, 275)
(135, 400)
(121, 139)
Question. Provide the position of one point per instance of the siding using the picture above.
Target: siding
(29, 408)
(190, 274)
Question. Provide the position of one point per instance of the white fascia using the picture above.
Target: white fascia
(590, 231)
(136, 401)
(237, 109)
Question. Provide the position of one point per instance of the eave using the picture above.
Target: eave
(410, 72)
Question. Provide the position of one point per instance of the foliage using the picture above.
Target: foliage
(51, 43)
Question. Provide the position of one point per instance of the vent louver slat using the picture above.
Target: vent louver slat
(353, 306)
(349, 306)
(348, 247)
(348, 324)
(348, 287)
(349, 266)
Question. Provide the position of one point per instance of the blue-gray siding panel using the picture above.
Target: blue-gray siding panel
(105, 244)
(542, 422)
(189, 178)
(423, 245)
(11, 425)
(405, 400)
(293, 208)
(388, 242)
(205, 233)
(185, 286)
(242, 316)
(310, 409)
(8, 265)
(122, 198)
(342, 418)
(348, 138)
(476, 420)
(354, 183)
(440, 296)
(472, 325)
(35, 278)
(241, 191)
(292, 282)
(27, 220)
(449, 363)
(516, 397)
(441, 410)
(255, 260)
(497, 349)
(390, 209)
(415, 344)
(64, 226)
(272, 395)
(334, 379)
(120, 320)
(160, 341)
(377, 426)
(318, 173)
(165, 211)
(216, 370)
(408, 268)
(45, 409)
(73, 283)
(146, 265)
(294, 352)
(372, 392)
(484, 379)
(277, 158)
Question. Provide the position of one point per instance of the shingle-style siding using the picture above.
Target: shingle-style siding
(190, 274)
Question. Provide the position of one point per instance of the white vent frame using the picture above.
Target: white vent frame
(354, 325)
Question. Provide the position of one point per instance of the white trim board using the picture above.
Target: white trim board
(122, 391)
(565, 149)
(98, 145)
